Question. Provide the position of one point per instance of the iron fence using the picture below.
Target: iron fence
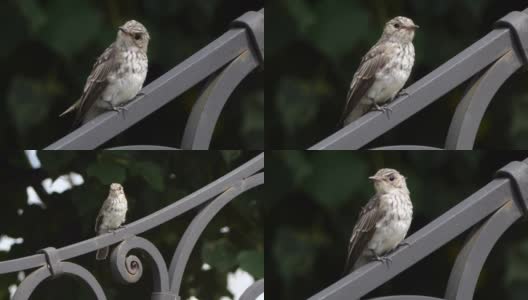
(226, 62)
(492, 60)
(489, 212)
(51, 262)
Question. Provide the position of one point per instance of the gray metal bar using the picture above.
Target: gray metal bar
(143, 148)
(517, 23)
(406, 147)
(255, 290)
(422, 243)
(470, 111)
(158, 93)
(517, 172)
(139, 226)
(204, 115)
(253, 22)
(424, 92)
(128, 268)
(198, 224)
(471, 259)
(407, 297)
(30, 283)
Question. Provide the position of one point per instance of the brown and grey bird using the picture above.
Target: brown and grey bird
(111, 216)
(383, 71)
(383, 223)
(117, 75)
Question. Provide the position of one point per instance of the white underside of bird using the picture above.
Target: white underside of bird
(388, 81)
(391, 229)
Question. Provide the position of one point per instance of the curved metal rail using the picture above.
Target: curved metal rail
(505, 48)
(129, 268)
(499, 203)
(243, 43)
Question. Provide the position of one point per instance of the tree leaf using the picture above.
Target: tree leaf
(220, 254)
(69, 33)
(107, 172)
(252, 261)
(151, 172)
(28, 103)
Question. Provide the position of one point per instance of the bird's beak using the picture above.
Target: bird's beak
(375, 177)
(411, 27)
(123, 29)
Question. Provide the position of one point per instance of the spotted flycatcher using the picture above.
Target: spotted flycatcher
(111, 215)
(117, 75)
(383, 222)
(382, 71)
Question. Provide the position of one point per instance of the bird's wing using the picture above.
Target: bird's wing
(363, 230)
(96, 82)
(364, 78)
(99, 218)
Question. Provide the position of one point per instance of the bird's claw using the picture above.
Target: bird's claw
(120, 109)
(403, 244)
(402, 93)
(384, 260)
(384, 108)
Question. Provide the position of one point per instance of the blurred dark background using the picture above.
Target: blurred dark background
(152, 180)
(49, 47)
(318, 195)
(313, 49)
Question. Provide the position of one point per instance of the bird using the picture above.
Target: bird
(383, 70)
(117, 76)
(383, 222)
(111, 215)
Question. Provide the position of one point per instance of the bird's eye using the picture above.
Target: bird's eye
(391, 177)
(137, 36)
(396, 25)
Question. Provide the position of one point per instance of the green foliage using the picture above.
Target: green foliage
(316, 199)
(313, 49)
(252, 261)
(49, 48)
(152, 180)
(220, 254)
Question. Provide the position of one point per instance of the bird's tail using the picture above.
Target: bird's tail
(351, 266)
(71, 108)
(102, 253)
(355, 114)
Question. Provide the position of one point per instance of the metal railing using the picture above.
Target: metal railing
(498, 205)
(492, 59)
(51, 262)
(226, 61)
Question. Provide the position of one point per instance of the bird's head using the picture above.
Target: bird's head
(387, 180)
(116, 189)
(133, 33)
(400, 29)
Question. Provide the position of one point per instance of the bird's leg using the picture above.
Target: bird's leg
(401, 93)
(384, 259)
(120, 109)
(383, 108)
(403, 244)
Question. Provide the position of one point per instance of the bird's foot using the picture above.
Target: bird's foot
(140, 94)
(402, 93)
(402, 244)
(383, 108)
(384, 259)
(117, 229)
(120, 109)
